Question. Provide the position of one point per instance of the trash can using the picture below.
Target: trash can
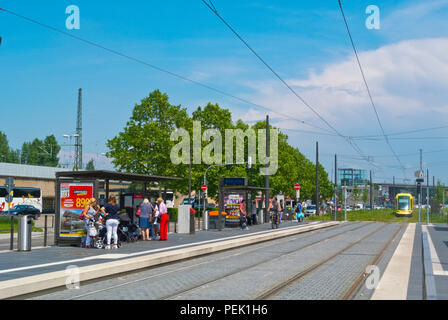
(24, 233)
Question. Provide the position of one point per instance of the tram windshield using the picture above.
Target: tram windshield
(404, 203)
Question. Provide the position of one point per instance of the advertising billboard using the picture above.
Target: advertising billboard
(73, 199)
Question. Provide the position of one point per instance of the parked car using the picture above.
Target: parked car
(310, 210)
(24, 209)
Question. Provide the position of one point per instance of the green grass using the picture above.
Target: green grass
(383, 215)
(5, 225)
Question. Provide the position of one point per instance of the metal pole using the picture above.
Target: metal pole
(420, 191)
(45, 231)
(371, 190)
(266, 204)
(11, 244)
(345, 203)
(335, 187)
(317, 180)
(427, 198)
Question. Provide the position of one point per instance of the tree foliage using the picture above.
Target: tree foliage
(144, 146)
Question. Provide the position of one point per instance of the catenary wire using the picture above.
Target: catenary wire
(350, 141)
(368, 90)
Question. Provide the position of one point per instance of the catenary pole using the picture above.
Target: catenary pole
(317, 180)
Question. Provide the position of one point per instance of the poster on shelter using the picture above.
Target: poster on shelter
(74, 197)
(232, 204)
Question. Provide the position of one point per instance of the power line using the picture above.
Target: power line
(368, 90)
(350, 141)
(402, 132)
(91, 43)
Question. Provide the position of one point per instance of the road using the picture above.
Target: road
(323, 264)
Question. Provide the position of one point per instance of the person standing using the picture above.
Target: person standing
(281, 209)
(299, 214)
(89, 213)
(274, 208)
(112, 211)
(254, 213)
(243, 216)
(146, 210)
(155, 222)
(164, 219)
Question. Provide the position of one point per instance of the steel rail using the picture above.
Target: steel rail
(353, 291)
(284, 284)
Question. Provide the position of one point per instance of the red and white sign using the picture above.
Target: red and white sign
(204, 188)
(297, 187)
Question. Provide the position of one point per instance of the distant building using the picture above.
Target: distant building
(35, 177)
(350, 177)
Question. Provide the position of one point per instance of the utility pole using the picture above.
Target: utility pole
(345, 203)
(419, 190)
(266, 184)
(427, 197)
(371, 190)
(335, 186)
(317, 180)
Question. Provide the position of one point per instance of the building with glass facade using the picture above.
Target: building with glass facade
(352, 177)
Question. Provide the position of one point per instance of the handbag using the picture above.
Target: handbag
(92, 232)
(139, 211)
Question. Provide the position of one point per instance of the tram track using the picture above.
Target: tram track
(300, 275)
(353, 291)
(269, 244)
(268, 260)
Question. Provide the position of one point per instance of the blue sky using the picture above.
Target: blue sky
(304, 41)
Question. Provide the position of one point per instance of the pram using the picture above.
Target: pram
(100, 240)
(127, 231)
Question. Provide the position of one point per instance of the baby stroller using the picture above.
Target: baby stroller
(128, 231)
(100, 240)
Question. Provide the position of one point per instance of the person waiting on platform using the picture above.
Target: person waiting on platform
(146, 210)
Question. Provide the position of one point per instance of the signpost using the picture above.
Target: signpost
(297, 187)
(9, 184)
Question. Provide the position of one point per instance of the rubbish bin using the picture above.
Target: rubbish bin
(24, 233)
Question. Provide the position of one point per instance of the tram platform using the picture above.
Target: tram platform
(23, 273)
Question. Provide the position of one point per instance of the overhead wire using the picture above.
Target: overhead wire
(350, 141)
(126, 56)
(368, 90)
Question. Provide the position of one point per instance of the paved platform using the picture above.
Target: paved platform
(418, 269)
(17, 265)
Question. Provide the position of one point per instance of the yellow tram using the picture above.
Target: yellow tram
(404, 205)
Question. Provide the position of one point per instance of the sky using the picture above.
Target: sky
(305, 42)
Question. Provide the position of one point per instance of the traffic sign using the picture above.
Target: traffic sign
(297, 187)
(204, 188)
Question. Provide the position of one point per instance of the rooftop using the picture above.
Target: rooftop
(26, 171)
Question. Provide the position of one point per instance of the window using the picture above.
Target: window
(26, 192)
(2, 192)
(403, 203)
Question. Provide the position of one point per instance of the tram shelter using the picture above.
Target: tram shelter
(74, 189)
(240, 190)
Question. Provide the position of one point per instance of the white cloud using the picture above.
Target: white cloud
(408, 80)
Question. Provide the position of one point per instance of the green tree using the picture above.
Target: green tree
(144, 146)
(41, 153)
(7, 154)
(439, 192)
(365, 195)
(355, 193)
(90, 165)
